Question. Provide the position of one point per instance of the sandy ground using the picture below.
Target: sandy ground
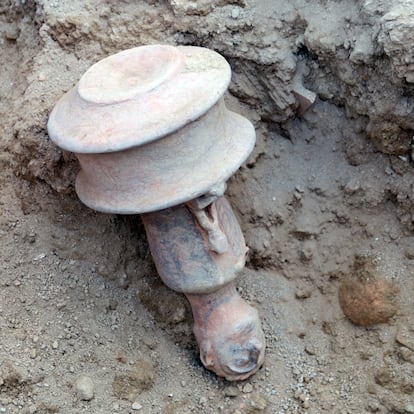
(85, 324)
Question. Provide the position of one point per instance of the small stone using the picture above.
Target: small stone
(306, 404)
(235, 13)
(248, 388)
(33, 353)
(407, 355)
(55, 345)
(373, 406)
(231, 392)
(352, 186)
(409, 408)
(12, 33)
(405, 337)
(310, 349)
(409, 252)
(136, 406)
(371, 389)
(305, 97)
(84, 388)
(303, 293)
(306, 254)
(302, 397)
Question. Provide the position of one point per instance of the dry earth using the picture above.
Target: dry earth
(85, 324)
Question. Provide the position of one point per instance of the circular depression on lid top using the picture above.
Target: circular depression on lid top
(129, 73)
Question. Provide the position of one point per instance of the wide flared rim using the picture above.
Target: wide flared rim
(189, 82)
(187, 182)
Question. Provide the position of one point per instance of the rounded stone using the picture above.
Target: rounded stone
(365, 298)
(84, 388)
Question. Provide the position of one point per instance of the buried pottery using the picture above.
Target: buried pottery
(154, 137)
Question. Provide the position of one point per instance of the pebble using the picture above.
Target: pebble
(303, 293)
(84, 388)
(235, 13)
(409, 408)
(405, 337)
(248, 388)
(352, 186)
(60, 305)
(136, 406)
(231, 392)
(55, 345)
(371, 389)
(409, 252)
(311, 349)
(407, 355)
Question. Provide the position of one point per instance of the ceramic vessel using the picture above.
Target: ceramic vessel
(153, 136)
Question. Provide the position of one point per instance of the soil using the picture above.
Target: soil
(85, 324)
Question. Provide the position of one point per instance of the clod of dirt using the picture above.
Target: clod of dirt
(47, 408)
(389, 138)
(140, 378)
(169, 308)
(384, 376)
(258, 403)
(253, 404)
(366, 299)
(13, 380)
